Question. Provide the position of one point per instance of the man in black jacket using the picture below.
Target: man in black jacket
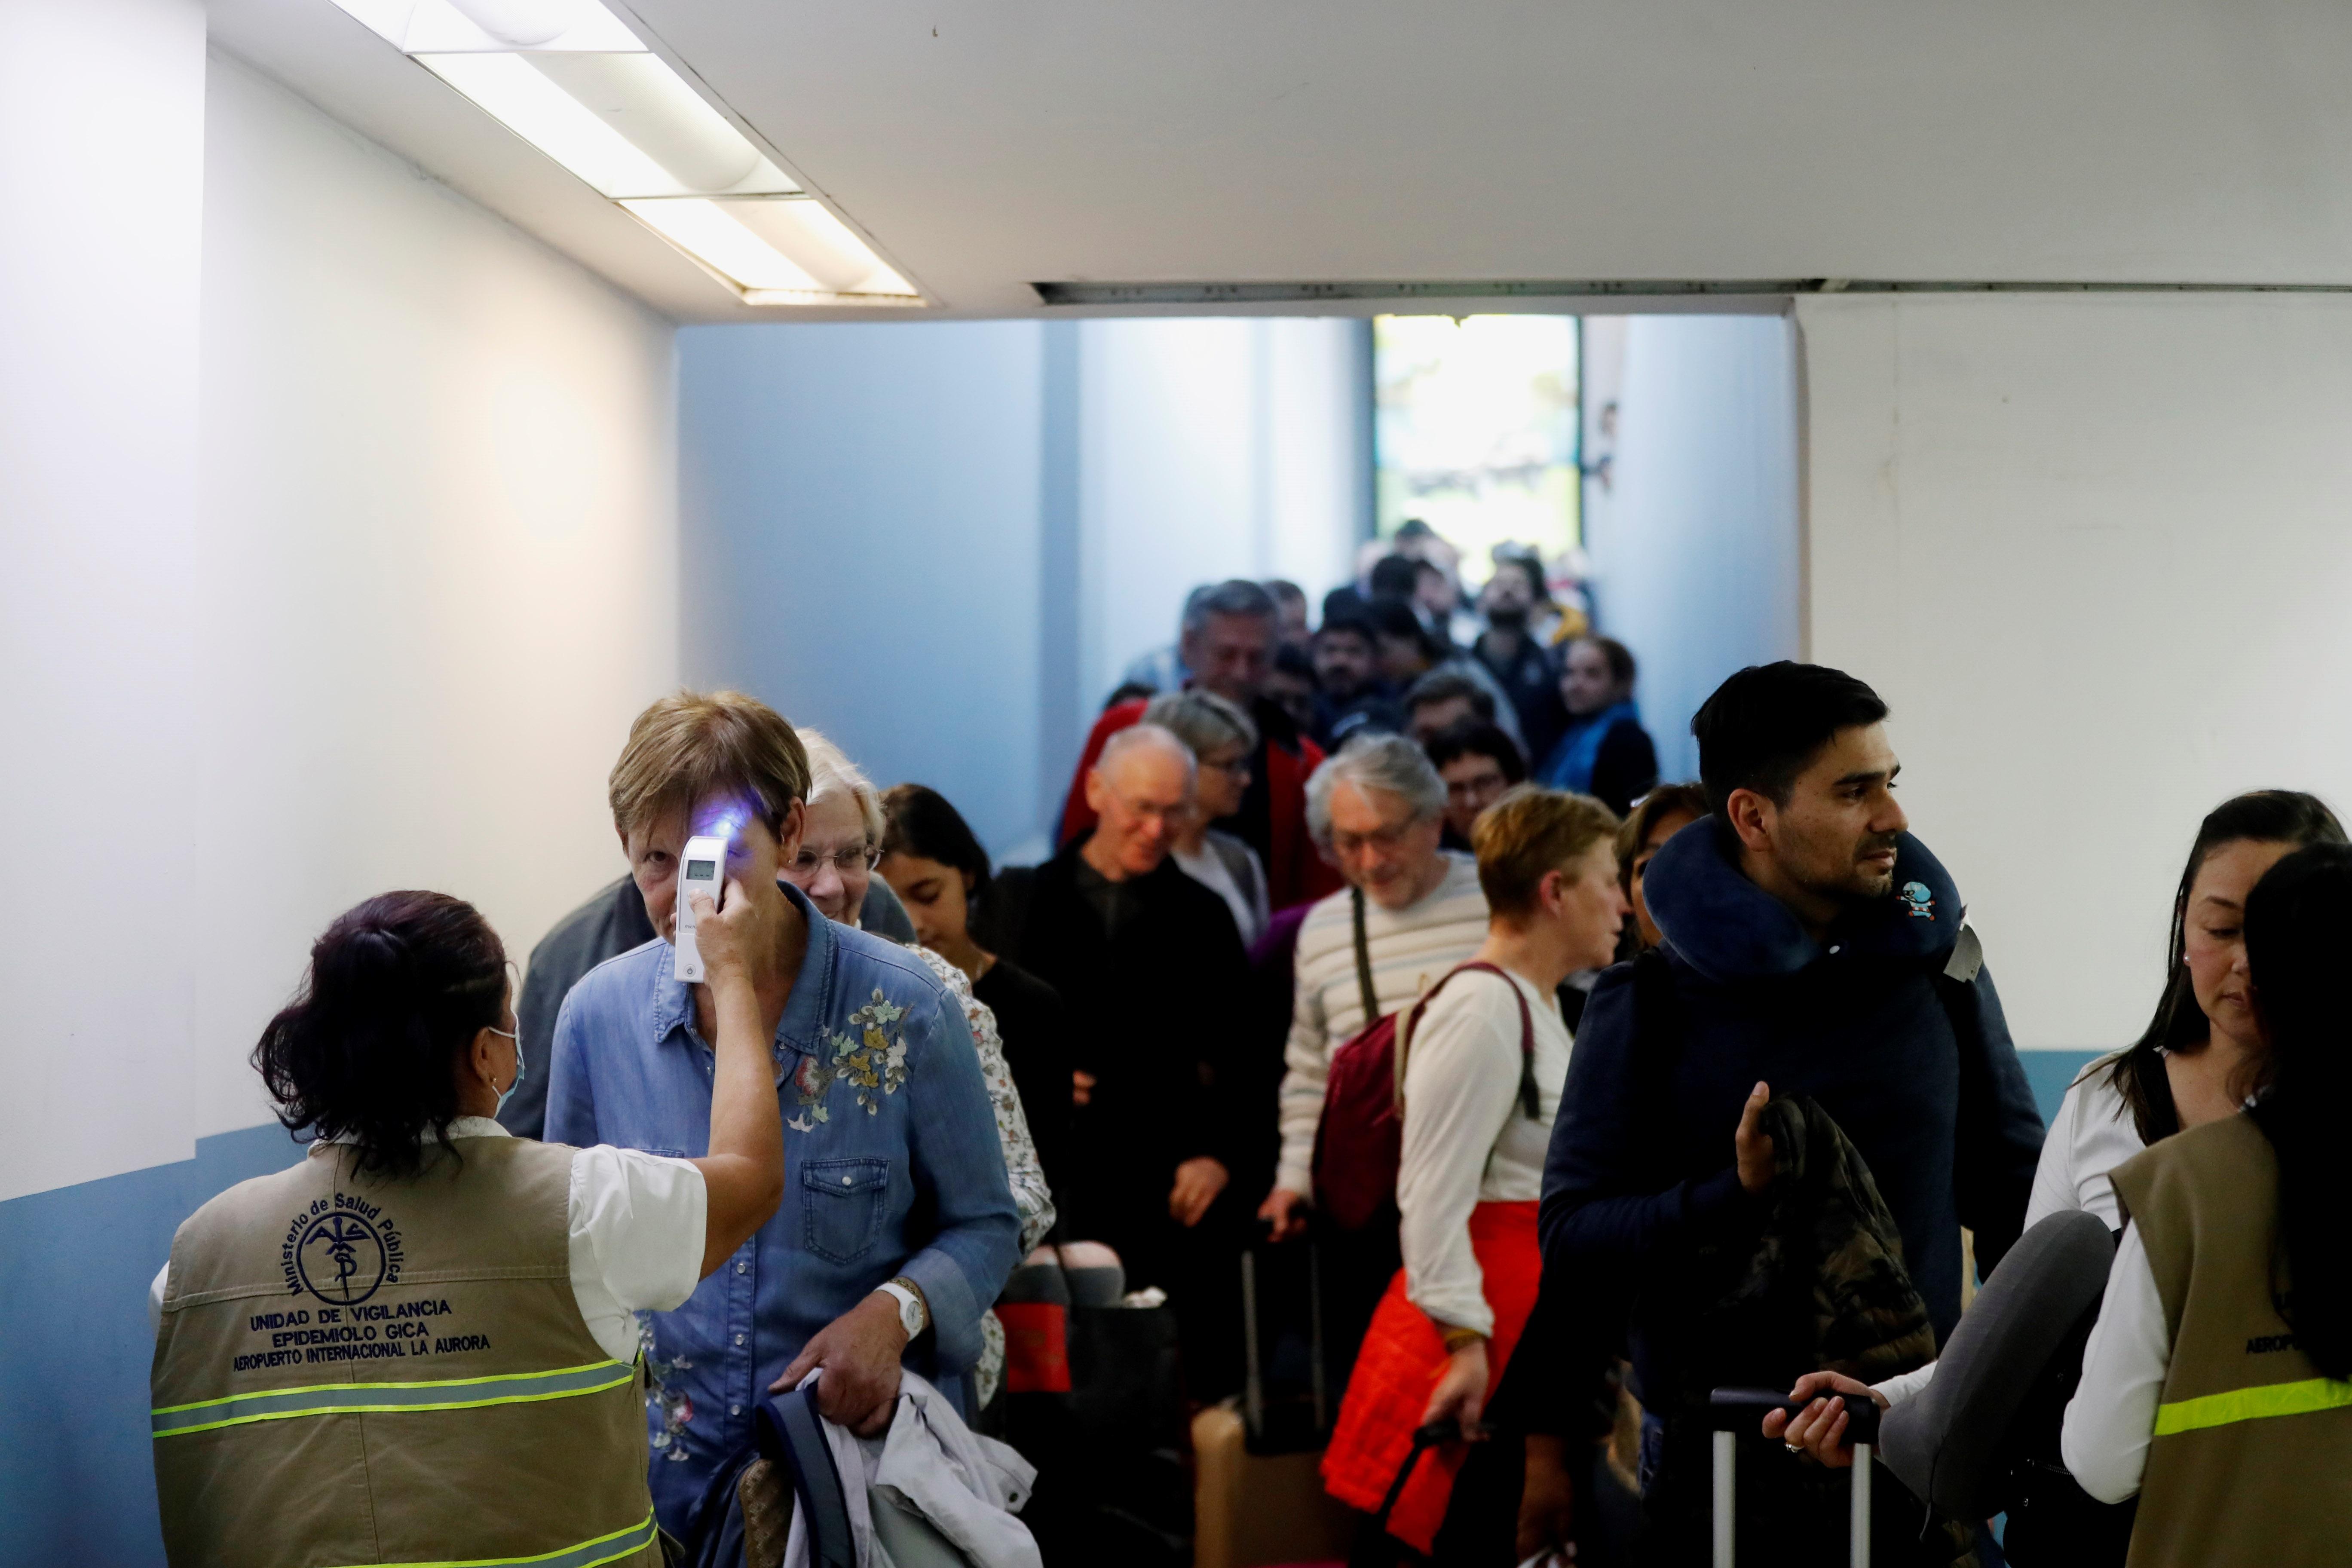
(1812, 947)
(1151, 974)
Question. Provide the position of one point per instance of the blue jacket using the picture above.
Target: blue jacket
(1639, 1173)
(891, 1166)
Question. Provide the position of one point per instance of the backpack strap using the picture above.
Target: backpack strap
(1371, 997)
(1530, 1097)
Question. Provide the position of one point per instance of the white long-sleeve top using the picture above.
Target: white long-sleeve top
(2094, 1133)
(2112, 1417)
(1410, 948)
(1468, 1139)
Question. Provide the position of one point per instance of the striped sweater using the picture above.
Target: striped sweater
(1410, 949)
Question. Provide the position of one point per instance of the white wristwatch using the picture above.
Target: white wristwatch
(911, 1315)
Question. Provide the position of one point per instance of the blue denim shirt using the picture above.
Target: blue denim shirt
(891, 1166)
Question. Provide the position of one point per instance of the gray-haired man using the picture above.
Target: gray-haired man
(1376, 810)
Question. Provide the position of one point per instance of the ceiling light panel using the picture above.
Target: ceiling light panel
(569, 78)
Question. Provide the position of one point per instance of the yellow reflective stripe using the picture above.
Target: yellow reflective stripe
(2255, 1403)
(357, 1398)
(609, 1548)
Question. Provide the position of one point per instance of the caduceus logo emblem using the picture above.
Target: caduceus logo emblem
(340, 1258)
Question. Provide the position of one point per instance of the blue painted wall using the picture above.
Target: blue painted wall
(77, 1485)
(862, 544)
(1696, 555)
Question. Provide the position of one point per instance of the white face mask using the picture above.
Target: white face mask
(515, 1035)
(514, 990)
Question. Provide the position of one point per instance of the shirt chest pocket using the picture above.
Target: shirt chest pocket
(840, 1206)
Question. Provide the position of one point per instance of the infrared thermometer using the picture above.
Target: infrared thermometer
(702, 869)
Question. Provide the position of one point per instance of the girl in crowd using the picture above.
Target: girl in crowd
(1604, 752)
(839, 849)
(1483, 1060)
(521, 1435)
(1664, 812)
(2199, 1058)
(1222, 740)
(2215, 1384)
(936, 865)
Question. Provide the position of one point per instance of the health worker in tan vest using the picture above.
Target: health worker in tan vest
(2215, 1385)
(419, 1344)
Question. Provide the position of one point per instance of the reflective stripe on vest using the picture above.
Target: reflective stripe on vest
(358, 1398)
(587, 1554)
(2252, 1404)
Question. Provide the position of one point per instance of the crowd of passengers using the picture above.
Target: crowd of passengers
(1674, 1055)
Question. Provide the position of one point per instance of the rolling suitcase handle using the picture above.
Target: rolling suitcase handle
(1732, 1411)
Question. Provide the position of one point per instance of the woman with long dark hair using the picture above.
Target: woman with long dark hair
(2218, 1384)
(2199, 1058)
(935, 863)
(422, 1339)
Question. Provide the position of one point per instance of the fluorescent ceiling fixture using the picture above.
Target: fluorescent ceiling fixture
(704, 231)
(818, 243)
(447, 26)
(569, 78)
(645, 141)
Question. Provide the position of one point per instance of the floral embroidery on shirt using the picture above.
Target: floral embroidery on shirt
(865, 1054)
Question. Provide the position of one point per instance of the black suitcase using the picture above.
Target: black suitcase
(1733, 1413)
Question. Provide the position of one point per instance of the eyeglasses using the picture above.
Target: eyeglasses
(844, 862)
(1238, 768)
(1151, 812)
(1348, 844)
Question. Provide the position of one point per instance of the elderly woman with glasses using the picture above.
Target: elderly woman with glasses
(839, 849)
(1222, 740)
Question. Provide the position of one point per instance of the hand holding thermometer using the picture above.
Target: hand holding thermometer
(702, 869)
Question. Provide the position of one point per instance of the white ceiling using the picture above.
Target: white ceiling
(990, 144)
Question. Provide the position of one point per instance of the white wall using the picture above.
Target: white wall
(1211, 448)
(388, 630)
(2096, 554)
(101, 174)
(1695, 547)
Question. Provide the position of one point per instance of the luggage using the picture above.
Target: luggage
(1734, 1412)
(1258, 1496)
(1097, 1406)
(1288, 1398)
(1251, 1509)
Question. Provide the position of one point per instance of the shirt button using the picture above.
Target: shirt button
(742, 1267)
(739, 1339)
(734, 1410)
(1835, 949)
(845, 1181)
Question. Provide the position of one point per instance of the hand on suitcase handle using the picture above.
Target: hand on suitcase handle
(1286, 1211)
(1824, 1416)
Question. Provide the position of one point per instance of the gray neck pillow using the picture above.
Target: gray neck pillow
(1948, 1444)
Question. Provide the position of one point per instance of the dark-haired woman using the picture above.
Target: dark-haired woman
(419, 1344)
(2197, 1062)
(934, 863)
(1604, 752)
(1663, 813)
(2218, 1383)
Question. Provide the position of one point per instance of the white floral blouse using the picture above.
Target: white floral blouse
(1029, 1194)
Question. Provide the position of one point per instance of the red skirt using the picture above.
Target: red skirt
(1398, 1368)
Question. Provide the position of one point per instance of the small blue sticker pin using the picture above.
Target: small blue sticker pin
(1918, 901)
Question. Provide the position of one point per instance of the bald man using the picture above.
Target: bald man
(1150, 970)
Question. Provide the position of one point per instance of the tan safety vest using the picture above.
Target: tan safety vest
(2251, 1461)
(353, 1370)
